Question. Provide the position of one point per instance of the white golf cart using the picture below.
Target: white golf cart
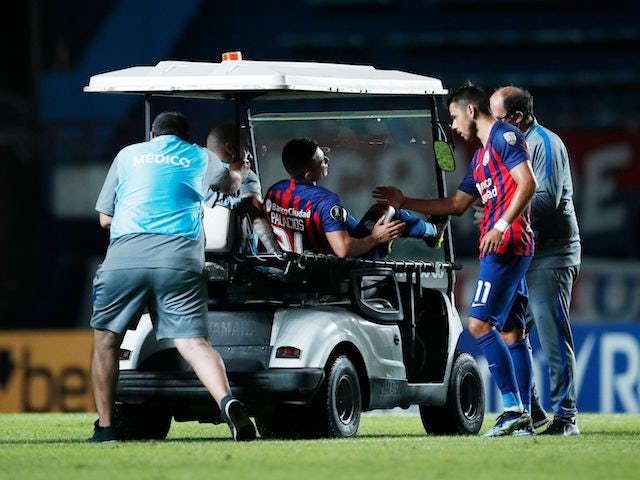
(312, 341)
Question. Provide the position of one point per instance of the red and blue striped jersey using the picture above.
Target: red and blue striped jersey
(489, 179)
(301, 213)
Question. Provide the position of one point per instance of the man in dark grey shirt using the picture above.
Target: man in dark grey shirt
(556, 261)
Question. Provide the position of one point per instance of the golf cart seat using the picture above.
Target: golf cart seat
(219, 225)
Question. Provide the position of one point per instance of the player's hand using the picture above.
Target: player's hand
(491, 241)
(478, 213)
(389, 195)
(385, 232)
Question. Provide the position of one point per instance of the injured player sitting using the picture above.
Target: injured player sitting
(307, 217)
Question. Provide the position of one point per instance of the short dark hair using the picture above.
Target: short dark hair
(519, 100)
(297, 156)
(171, 123)
(470, 94)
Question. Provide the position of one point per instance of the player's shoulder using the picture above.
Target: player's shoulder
(329, 205)
(279, 185)
(324, 194)
(506, 134)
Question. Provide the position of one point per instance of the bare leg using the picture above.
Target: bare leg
(104, 373)
(512, 336)
(209, 368)
(478, 328)
(207, 364)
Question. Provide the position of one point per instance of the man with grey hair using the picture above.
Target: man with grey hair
(556, 261)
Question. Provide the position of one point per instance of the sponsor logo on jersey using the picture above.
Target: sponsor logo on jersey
(290, 218)
(510, 137)
(487, 189)
(485, 158)
(291, 212)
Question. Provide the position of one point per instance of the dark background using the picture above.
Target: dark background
(578, 58)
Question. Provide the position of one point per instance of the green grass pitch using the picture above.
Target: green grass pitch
(52, 446)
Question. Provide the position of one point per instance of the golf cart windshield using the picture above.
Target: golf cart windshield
(366, 149)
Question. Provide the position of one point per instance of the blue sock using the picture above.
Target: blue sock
(523, 367)
(501, 368)
(416, 227)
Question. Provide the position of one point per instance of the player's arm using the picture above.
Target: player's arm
(522, 174)
(344, 245)
(455, 205)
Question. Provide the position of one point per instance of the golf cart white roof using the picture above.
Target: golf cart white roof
(267, 80)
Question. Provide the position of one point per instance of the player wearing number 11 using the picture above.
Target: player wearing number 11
(501, 175)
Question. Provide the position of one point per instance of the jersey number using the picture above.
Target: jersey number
(285, 241)
(482, 292)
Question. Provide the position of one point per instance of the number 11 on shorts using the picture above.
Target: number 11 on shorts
(482, 293)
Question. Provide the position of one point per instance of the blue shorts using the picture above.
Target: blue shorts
(501, 294)
(175, 299)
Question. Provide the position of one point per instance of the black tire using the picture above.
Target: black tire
(463, 412)
(337, 409)
(141, 422)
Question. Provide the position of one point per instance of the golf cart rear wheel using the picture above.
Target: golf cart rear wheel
(337, 409)
(463, 412)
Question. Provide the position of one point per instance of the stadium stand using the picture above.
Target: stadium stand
(579, 58)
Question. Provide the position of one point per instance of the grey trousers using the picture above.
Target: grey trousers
(549, 302)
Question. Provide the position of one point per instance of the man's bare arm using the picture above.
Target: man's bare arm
(105, 220)
(344, 245)
(526, 188)
(527, 185)
(455, 205)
